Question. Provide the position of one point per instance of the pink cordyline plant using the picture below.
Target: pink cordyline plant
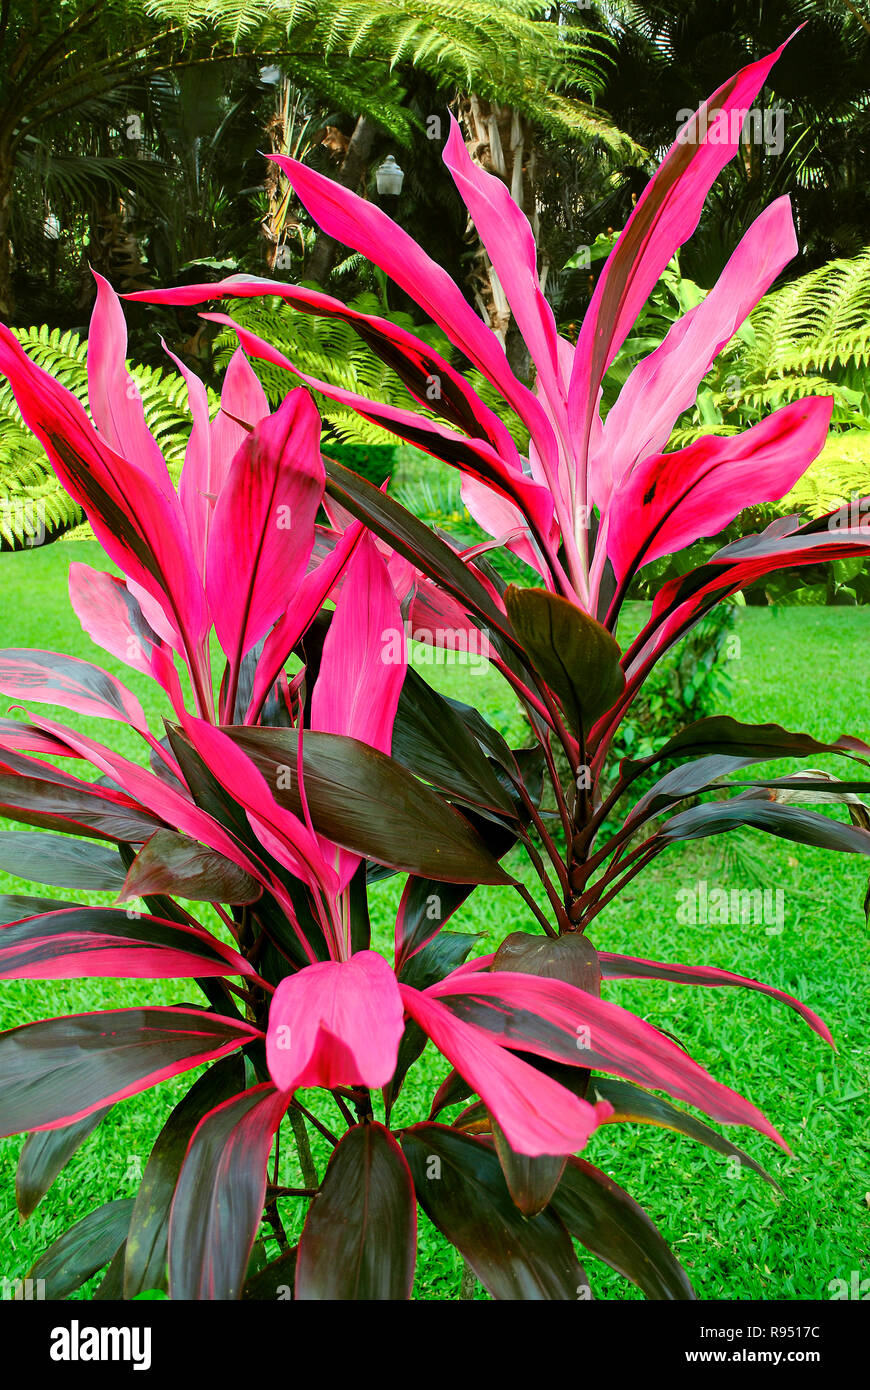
(324, 761)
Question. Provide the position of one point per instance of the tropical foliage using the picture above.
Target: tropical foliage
(323, 759)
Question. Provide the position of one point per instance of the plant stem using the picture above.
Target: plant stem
(303, 1147)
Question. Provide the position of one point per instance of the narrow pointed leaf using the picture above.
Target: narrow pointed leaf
(83, 1249)
(615, 967)
(45, 1154)
(52, 679)
(62, 1069)
(64, 862)
(145, 1263)
(557, 1021)
(633, 1105)
(218, 1202)
(611, 1225)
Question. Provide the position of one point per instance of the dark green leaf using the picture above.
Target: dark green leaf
(365, 802)
(218, 1201)
(273, 1282)
(176, 864)
(611, 1225)
(632, 1104)
(83, 1249)
(59, 860)
(360, 1235)
(577, 657)
(461, 1188)
(431, 740)
(145, 1264)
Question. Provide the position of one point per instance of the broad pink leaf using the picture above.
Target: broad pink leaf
(364, 659)
(312, 593)
(536, 1114)
(363, 665)
(670, 500)
(262, 532)
(337, 1023)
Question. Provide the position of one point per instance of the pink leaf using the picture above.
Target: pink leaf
(364, 658)
(420, 367)
(50, 678)
(666, 215)
(263, 527)
(476, 457)
(509, 241)
(113, 395)
(111, 616)
(337, 1023)
(283, 834)
(537, 1115)
(615, 967)
(140, 526)
(665, 383)
(306, 604)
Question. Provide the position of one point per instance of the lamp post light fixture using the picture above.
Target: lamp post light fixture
(390, 178)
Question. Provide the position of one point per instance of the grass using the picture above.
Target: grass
(737, 1237)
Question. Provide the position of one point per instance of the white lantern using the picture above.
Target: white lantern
(390, 178)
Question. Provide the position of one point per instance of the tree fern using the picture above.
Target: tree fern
(504, 51)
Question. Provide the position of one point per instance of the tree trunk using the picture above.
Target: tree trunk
(7, 302)
(349, 176)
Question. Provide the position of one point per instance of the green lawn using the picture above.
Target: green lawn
(738, 1238)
